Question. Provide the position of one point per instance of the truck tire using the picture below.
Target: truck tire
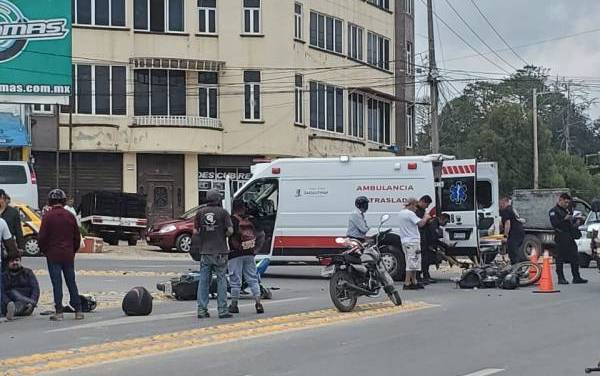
(530, 243)
(584, 260)
(111, 239)
(183, 243)
(132, 241)
(395, 263)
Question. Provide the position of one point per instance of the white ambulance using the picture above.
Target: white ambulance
(303, 204)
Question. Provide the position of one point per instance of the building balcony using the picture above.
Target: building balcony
(177, 122)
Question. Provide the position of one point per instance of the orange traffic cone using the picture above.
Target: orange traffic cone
(534, 260)
(546, 284)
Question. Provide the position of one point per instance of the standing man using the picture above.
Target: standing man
(8, 249)
(13, 219)
(565, 229)
(59, 239)
(427, 256)
(409, 233)
(241, 259)
(213, 225)
(513, 231)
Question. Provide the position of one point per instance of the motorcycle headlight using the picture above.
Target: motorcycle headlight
(166, 229)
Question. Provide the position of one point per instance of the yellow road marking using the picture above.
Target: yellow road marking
(146, 346)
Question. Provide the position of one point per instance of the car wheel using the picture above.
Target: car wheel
(584, 260)
(31, 247)
(184, 243)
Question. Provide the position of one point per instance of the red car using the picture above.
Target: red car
(174, 234)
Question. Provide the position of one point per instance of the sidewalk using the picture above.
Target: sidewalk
(139, 252)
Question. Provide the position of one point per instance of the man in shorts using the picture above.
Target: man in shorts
(409, 224)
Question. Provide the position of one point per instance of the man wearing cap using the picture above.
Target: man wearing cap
(565, 229)
(213, 225)
(409, 224)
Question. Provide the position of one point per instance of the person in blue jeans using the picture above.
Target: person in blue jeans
(213, 226)
(241, 258)
(59, 240)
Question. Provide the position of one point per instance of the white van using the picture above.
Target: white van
(303, 204)
(19, 181)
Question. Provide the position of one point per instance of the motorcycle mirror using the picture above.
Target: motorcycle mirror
(340, 240)
(384, 218)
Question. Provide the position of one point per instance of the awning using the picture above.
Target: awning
(12, 131)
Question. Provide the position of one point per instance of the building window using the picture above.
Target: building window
(252, 17)
(159, 15)
(409, 59)
(356, 112)
(355, 42)
(409, 6)
(378, 51)
(42, 109)
(298, 21)
(378, 121)
(99, 12)
(252, 96)
(410, 126)
(299, 99)
(326, 107)
(383, 4)
(208, 94)
(207, 16)
(326, 32)
(159, 92)
(99, 90)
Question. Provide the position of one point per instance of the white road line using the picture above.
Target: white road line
(486, 372)
(165, 316)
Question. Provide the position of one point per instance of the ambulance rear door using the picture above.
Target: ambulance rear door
(459, 193)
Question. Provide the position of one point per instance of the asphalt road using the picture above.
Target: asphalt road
(475, 333)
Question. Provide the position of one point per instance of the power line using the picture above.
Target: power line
(498, 33)
(479, 37)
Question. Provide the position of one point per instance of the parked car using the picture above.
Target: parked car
(174, 234)
(584, 244)
(19, 181)
(31, 220)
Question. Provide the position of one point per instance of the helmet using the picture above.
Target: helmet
(57, 194)
(362, 203)
(510, 282)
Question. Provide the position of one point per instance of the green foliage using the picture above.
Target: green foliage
(492, 121)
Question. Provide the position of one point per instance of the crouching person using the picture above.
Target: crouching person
(241, 258)
(20, 289)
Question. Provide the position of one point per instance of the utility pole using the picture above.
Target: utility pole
(433, 82)
(535, 142)
(568, 121)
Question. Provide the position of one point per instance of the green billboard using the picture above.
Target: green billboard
(35, 51)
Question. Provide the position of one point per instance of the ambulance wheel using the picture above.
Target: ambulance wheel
(395, 264)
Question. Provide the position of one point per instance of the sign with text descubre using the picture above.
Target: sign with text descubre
(35, 51)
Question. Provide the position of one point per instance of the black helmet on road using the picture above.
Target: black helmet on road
(362, 203)
(57, 195)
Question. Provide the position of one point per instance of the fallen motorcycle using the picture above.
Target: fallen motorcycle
(185, 287)
(358, 271)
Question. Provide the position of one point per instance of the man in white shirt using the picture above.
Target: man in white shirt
(409, 224)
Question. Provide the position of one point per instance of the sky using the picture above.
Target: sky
(519, 22)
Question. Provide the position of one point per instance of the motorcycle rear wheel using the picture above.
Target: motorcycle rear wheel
(343, 298)
(526, 278)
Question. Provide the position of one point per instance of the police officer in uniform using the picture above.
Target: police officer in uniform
(566, 231)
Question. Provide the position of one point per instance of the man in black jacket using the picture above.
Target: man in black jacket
(565, 228)
(13, 219)
(20, 289)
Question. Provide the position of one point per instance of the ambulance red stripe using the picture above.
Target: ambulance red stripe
(322, 242)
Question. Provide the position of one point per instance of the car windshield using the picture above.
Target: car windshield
(190, 213)
(593, 218)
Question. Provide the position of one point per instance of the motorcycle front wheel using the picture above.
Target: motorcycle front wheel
(395, 298)
(343, 298)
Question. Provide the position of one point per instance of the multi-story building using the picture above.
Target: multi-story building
(171, 96)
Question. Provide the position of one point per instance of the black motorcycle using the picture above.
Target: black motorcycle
(359, 271)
